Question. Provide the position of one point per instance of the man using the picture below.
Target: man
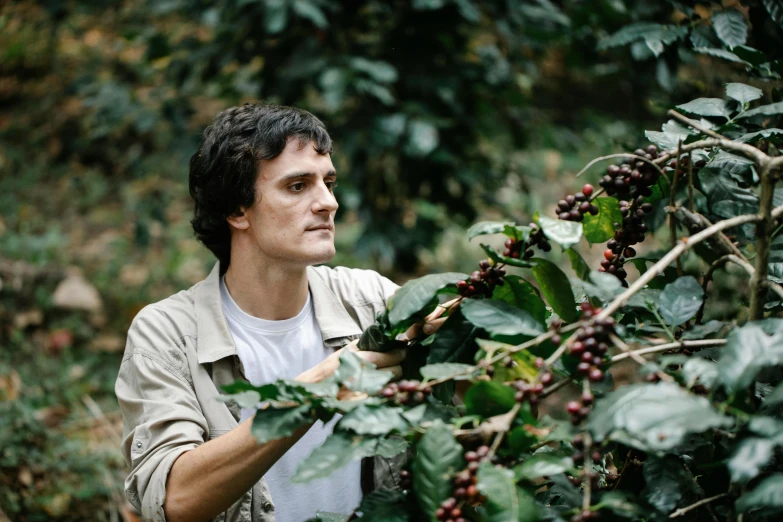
(263, 184)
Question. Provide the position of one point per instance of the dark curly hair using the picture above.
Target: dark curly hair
(224, 170)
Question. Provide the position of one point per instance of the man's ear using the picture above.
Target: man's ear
(239, 219)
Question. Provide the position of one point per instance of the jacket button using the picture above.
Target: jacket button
(138, 444)
(268, 507)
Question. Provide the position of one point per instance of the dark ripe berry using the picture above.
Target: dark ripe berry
(460, 492)
(456, 513)
(612, 244)
(579, 196)
(539, 362)
(596, 456)
(519, 396)
(602, 348)
(639, 213)
(483, 451)
(532, 400)
(574, 215)
(587, 357)
(639, 152)
(583, 367)
(578, 457)
(621, 273)
(529, 253)
(578, 442)
(546, 378)
(460, 519)
(611, 269)
(613, 169)
(537, 388)
(565, 216)
(608, 254)
(652, 150)
(636, 176)
(471, 456)
(563, 205)
(440, 514)
(577, 348)
(629, 252)
(556, 340)
(584, 208)
(484, 264)
(388, 393)
(597, 361)
(590, 343)
(573, 407)
(472, 491)
(570, 200)
(593, 210)
(473, 467)
(546, 247)
(595, 375)
(587, 190)
(418, 396)
(647, 207)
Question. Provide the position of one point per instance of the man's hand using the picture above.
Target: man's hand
(389, 361)
(432, 322)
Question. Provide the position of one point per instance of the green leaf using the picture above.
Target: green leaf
(564, 233)
(489, 398)
(361, 376)
(497, 258)
(276, 423)
(543, 464)
(505, 502)
(743, 93)
(556, 289)
(244, 399)
(438, 458)
(701, 370)
(578, 264)
(486, 228)
(773, 109)
(379, 337)
(648, 32)
(383, 506)
(455, 341)
(600, 228)
(312, 12)
(414, 295)
(720, 53)
(776, 135)
(653, 417)
(621, 505)
(500, 318)
(681, 300)
(337, 451)
(447, 371)
(731, 27)
(275, 16)
(388, 448)
(706, 107)
(668, 484)
(602, 286)
(726, 198)
(520, 293)
(750, 456)
(749, 349)
(766, 496)
(374, 420)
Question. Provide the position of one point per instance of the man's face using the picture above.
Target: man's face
(292, 218)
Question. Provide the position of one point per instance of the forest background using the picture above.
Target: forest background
(444, 112)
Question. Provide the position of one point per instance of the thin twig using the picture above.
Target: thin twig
(636, 357)
(625, 155)
(690, 182)
(763, 243)
(673, 204)
(680, 512)
(696, 125)
(588, 462)
(701, 343)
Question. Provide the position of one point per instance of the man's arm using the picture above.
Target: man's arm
(207, 480)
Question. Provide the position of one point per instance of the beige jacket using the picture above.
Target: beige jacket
(180, 352)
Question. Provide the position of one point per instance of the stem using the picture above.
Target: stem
(701, 343)
(690, 182)
(636, 357)
(588, 462)
(680, 512)
(696, 125)
(654, 163)
(763, 227)
(673, 254)
(673, 204)
(660, 320)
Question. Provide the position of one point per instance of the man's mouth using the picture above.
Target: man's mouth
(321, 227)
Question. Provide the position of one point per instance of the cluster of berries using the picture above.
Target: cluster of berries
(579, 457)
(406, 392)
(529, 392)
(524, 249)
(634, 179)
(465, 490)
(630, 232)
(575, 206)
(482, 282)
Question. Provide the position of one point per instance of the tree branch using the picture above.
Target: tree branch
(763, 242)
(680, 512)
(701, 343)
(696, 125)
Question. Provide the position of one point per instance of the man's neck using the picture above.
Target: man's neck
(267, 290)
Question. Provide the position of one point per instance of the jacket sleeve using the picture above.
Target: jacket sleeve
(161, 415)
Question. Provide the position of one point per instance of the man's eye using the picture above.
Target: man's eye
(332, 185)
(298, 187)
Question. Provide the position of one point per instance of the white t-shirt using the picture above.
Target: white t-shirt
(271, 350)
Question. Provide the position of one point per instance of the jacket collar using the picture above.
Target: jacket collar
(214, 338)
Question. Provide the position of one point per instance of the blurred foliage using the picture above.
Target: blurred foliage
(442, 111)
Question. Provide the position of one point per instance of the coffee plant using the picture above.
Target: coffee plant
(696, 433)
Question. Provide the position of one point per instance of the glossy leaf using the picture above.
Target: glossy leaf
(522, 294)
(337, 451)
(578, 264)
(667, 484)
(486, 228)
(438, 457)
(500, 318)
(383, 506)
(446, 371)
(743, 93)
(750, 349)
(276, 423)
(653, 417)
(416, 294)
(731, 27)
(541, 465)
(773, 109)
(600, 228)
(505, 502)
(489, 398)
(681, 300)
(373, 420)
(361, 376)
(766, 496)
(564, 233)
(555, 287)
(706, 107)
(454, 341)
(749, 457)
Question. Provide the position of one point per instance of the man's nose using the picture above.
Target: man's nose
(326, 201)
